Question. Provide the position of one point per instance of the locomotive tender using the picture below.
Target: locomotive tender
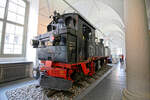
(67, 51)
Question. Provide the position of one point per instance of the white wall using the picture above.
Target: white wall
(32, 29)
(42, 25)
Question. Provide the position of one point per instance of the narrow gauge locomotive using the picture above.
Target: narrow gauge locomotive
(67, 51)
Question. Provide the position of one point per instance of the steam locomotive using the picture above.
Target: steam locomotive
(67, 52)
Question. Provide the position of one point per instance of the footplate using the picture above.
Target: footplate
(54, 83)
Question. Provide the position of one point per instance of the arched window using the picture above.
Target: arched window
(13, 27)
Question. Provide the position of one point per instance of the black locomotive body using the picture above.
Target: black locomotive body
(69, 39)
(68, 47)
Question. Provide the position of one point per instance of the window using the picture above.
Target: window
(13, 23)
(2, 8)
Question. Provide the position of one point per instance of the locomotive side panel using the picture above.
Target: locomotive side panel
(80, 42)
(72, 46)
(71, 21)
(86, 39)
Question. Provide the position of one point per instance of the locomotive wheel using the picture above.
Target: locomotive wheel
(102, 62)
(97, 65)
(77, 76)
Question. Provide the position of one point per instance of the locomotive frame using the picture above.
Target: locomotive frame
(56, 70)
(80, 57)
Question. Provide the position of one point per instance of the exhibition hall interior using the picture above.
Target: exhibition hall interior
(74, 49)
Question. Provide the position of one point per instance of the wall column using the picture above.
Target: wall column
(137, 51)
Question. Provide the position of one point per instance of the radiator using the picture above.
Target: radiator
(10, 72)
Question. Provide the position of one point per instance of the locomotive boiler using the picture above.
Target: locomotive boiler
(67, 51)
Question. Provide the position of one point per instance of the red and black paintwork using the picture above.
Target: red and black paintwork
(67, 52)
(58, 75)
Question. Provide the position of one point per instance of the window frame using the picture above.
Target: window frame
(25, 27)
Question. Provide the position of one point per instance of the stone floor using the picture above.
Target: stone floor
(110, 88)
(13, 85)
